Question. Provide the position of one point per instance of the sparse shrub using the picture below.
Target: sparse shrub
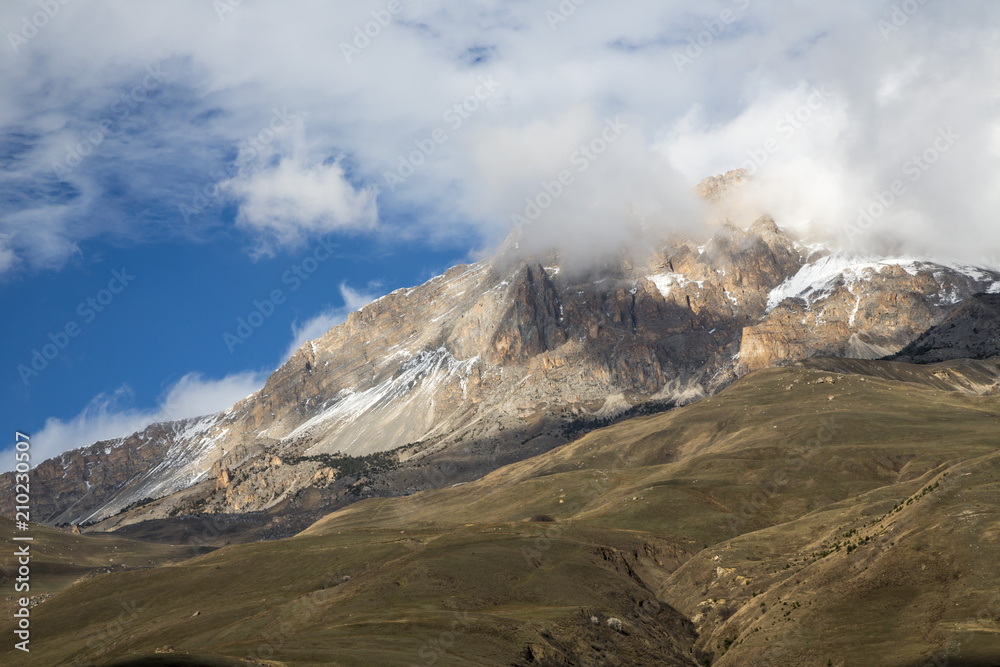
(577, 427)
(726, 612)
(352, 466)
(138, 503)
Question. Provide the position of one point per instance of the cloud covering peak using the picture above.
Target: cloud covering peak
(872, 123)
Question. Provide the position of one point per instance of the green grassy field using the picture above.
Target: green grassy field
(801, 517)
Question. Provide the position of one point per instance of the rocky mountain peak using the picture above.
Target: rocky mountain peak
(498, 360)
(971, 331)
(714, 187)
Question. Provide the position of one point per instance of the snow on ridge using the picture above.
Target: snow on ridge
(810, 249)
(976, 273)
(184, 463)
(424, 371)
(665, 281)
(819, 278)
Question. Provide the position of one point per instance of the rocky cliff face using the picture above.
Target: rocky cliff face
(144, 465)
(856, 307)
(971, 331)
(716, 187)
(491, 362)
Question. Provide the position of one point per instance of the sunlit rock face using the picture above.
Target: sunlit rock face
(491, 356)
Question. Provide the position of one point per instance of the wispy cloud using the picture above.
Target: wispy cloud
(113, 415)
(938, 68)
(294, 200)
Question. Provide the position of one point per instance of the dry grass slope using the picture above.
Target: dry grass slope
(810, 515)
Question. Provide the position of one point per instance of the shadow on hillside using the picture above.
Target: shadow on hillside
(179, 661)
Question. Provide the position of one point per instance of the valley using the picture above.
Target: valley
(805, 514)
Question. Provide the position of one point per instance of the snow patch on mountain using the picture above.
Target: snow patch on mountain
(417, 381)
(665, 282)
(186, 462)
(819, 278)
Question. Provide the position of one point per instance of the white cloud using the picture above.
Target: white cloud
(319, 324)
(583, 184)
(194, 395)
(285, 198)
(793, 143)
(111, 415)
(894, 91)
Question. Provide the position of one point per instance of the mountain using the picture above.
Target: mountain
(970, 331)
(830, 512)
(498, 361)
(863, 308)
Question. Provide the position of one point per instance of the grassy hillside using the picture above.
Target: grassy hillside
(803, 516)
(60, 558)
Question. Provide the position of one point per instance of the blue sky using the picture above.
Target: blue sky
(169, 319)
(207, 148)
